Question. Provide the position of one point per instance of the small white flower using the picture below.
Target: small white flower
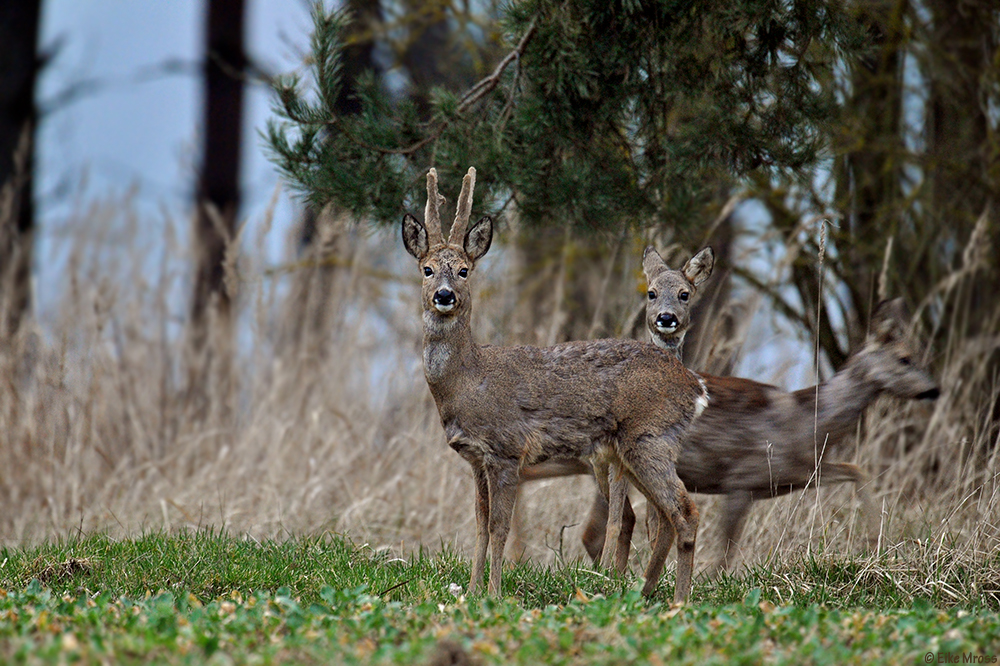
(455, 590)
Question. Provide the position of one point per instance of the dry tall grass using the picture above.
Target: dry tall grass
(98, 430)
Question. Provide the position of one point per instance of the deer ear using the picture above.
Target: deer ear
(699, 267)
(479, 238)
(652, 262)
(889, 320)
(414, 237)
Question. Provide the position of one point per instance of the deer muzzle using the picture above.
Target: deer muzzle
(666, 322)
(929, 394)
(444, 300)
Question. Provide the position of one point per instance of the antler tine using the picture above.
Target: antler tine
(432, 214)
(457, 234)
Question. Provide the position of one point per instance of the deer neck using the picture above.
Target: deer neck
(841, 401)
(449, 349)
(673, 345)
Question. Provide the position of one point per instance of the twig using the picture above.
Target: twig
(481, 89)
(394, 587)
(474, 94)
(771, 292)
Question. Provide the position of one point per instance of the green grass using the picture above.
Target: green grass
(197, 597)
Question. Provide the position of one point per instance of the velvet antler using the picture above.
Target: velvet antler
(432, 214)
(457, 234)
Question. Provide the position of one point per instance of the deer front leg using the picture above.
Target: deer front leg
(681, 519)
(844, 472)
(597, 523)
(482, 527)
(618, 495)
(734, 513)
(503, 483)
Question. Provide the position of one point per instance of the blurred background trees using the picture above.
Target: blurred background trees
(869, 129)
(622, 118)
(179, 347)
(20, 61)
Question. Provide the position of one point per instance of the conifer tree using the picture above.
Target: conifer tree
(602, 114)
(599, 113)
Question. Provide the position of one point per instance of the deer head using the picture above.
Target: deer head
(888, 357)
(447, 265)
(671, 293)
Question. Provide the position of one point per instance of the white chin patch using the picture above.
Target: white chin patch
(444, 308)
(666, 329)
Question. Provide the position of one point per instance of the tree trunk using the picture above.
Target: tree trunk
(19, 65)
(707, 346)
(962, 162)
(961, 146)
(426, 57)
(323, 247)
(210, 381)
(869, 182)
(218, 184)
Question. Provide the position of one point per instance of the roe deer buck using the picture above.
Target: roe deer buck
(756, 441)
(506, 407)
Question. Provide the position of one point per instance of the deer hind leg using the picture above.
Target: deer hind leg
(482, 528)
(594, 531)
(651, 467)
(618, 495)
(517, 542)
(734, 513)
(503, 493)
(613, 485)
(597, 523)
(847, 472)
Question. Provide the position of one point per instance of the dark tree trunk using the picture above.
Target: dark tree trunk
(218, 184)
(869, 179)
(211, 380)
(19, 65)
(708, 345)
(962, 160)
(427, 58)
(323, 242)
(962, 44)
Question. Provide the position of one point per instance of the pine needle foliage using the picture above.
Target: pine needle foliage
(601, 113)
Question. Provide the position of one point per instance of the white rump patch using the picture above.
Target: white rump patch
(701, 402)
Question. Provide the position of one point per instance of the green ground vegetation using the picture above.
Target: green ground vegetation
(209, 597)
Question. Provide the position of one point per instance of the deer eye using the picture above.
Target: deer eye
(463, 272)
(652, 295)
(683, 296)
(905, 360)
(428, 271)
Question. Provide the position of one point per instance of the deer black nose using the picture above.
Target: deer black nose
(444, 297)
(666, 320)
(929, 394)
